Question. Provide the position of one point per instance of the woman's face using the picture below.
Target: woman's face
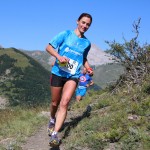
(84, 24)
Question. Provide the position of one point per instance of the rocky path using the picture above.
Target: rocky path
(40, 140)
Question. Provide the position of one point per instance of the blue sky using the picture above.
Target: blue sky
(31, 24)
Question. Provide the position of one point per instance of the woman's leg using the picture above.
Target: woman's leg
(56, 96)
(67, 93)
(55, 100)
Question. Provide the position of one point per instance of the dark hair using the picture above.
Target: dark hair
(85, 15)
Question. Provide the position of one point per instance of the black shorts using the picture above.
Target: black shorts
(58, 81)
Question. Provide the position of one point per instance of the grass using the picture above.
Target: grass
(109, 125)
(18, 56)
(109, 121)
(18, 123)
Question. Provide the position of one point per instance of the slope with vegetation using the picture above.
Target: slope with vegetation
(42, 57)
(23, 80)
(107, 74)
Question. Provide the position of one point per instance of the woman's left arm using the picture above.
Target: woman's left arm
(87, 66)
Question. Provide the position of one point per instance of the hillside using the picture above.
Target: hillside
(101, 121)
(23, 83)
(107, 74)
(23, 80)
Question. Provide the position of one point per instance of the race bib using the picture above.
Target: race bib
(69, 67)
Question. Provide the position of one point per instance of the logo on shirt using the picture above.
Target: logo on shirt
(67, 49)
(82, 79)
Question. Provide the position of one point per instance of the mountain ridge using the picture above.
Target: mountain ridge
(98, 57)
(95, 57)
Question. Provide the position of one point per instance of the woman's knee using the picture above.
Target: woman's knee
(55, 103)
(64, 103)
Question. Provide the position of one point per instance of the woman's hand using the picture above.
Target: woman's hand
(63, 59)
(87, 85)
(90, 71)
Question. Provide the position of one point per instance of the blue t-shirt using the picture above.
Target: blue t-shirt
(71, 46)
(84, 79)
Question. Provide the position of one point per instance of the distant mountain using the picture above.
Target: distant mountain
(41, 56)
(96, 57)
(105, 70)
(23, 81)
(107, 74)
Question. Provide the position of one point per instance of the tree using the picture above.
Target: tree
(135, 58)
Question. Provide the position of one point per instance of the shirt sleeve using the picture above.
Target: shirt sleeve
(58, 39)
(87, 51)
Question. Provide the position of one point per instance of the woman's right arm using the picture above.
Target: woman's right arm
(54, 53)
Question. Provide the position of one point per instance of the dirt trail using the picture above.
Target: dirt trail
(40, 140)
